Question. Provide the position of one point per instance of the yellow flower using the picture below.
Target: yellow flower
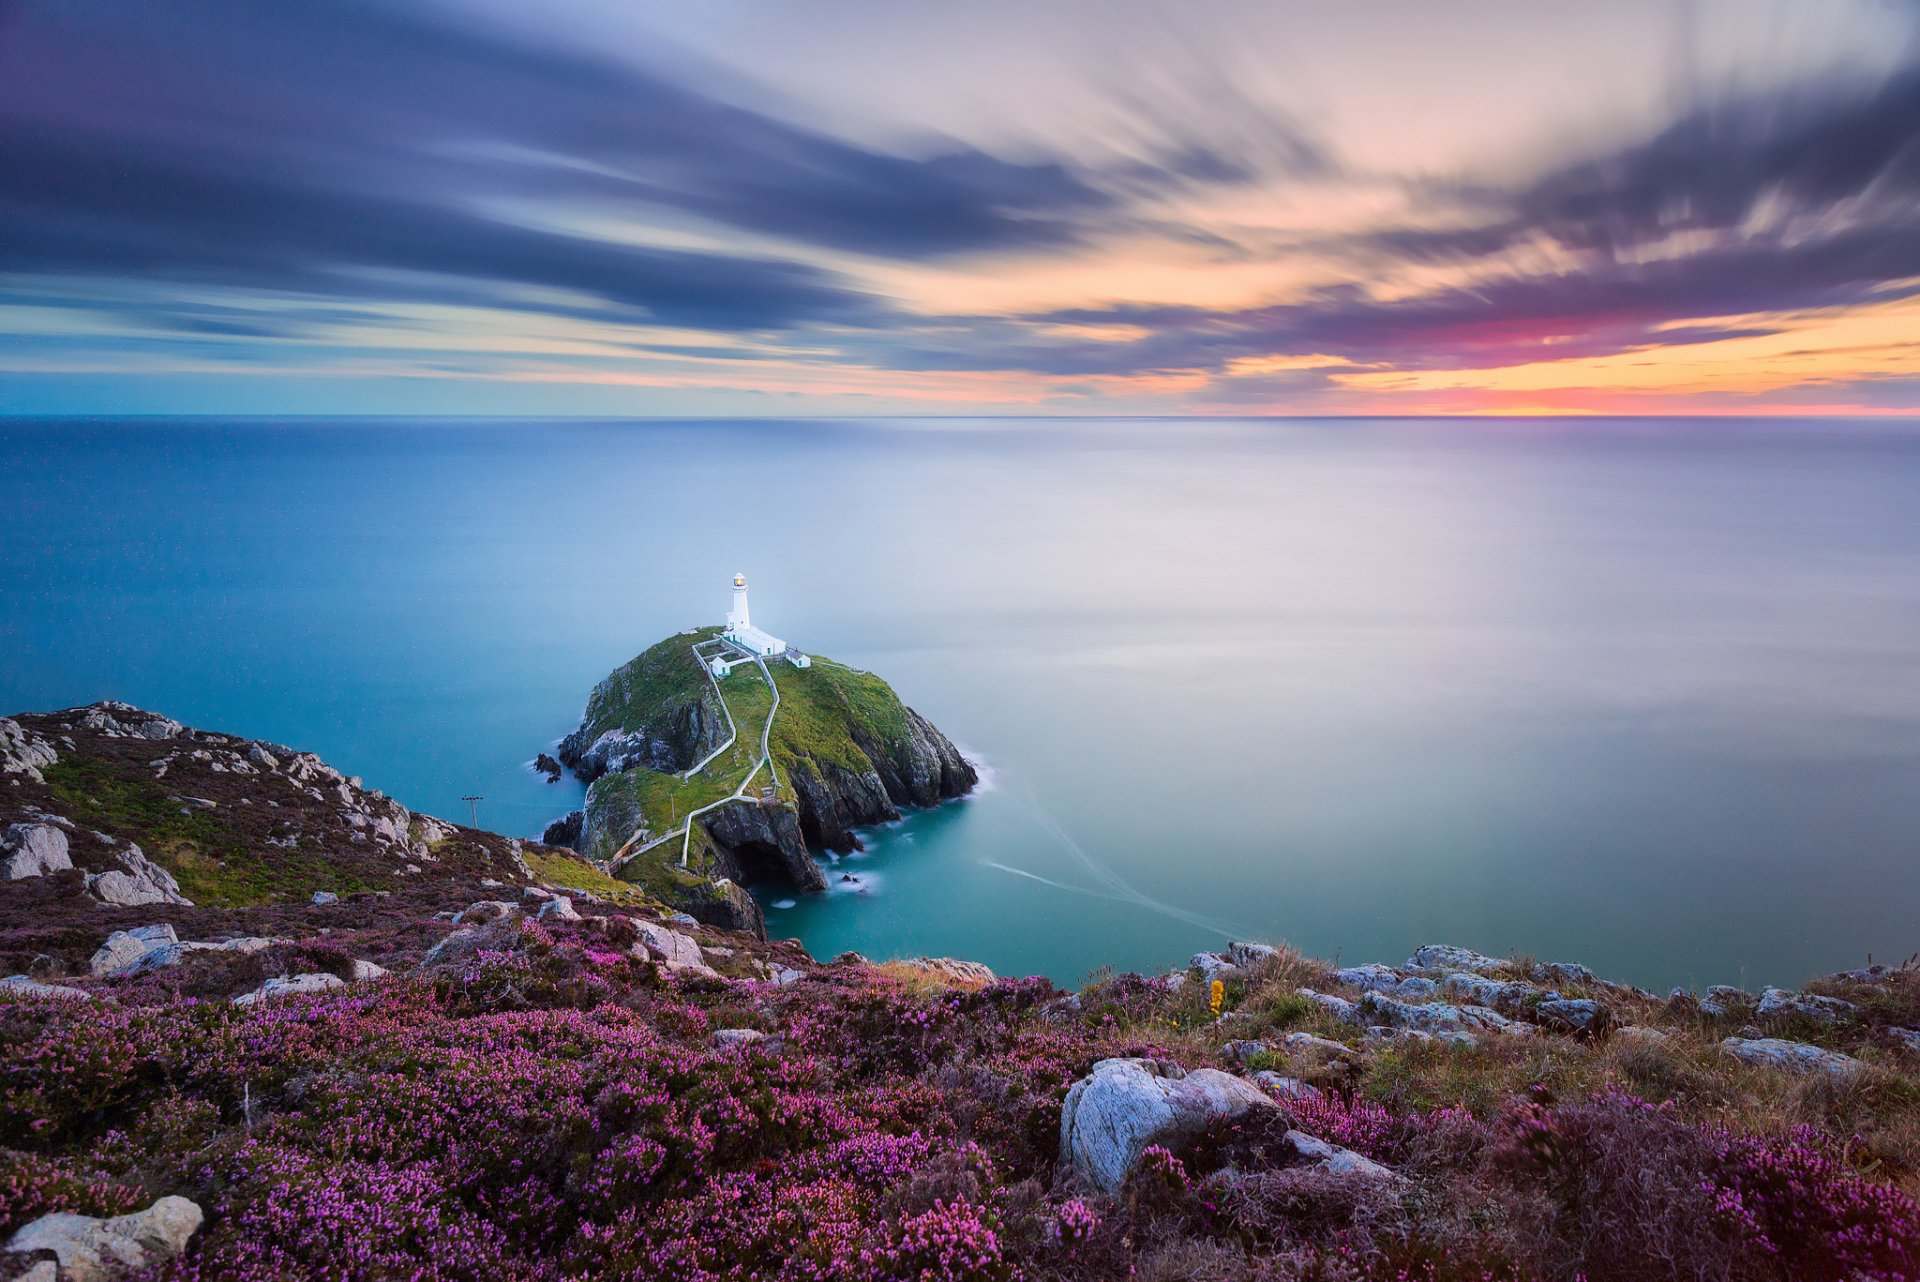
(1216, 993)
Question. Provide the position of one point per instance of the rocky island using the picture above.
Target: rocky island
(258, 1021)
(681, 802)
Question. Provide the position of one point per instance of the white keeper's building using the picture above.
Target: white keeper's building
(741, 632)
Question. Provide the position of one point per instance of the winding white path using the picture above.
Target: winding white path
(621, 857)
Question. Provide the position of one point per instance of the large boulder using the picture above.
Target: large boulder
(123, 950)
(669, 947)
(1126, 1106)
(90, 1249)
(1795, 1057)
(138, 881)
(33, 850)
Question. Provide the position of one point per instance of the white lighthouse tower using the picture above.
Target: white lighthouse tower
(744, 636)
(737, 617)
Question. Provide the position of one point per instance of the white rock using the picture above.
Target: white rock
(1126, 1106)
(365, 970)
(33, 850)
(124, 721)
(484, 910)
(298, 985)
(1448, 957)
(559, 908)
(23, 986)
(725, 1037)
(22, 752)
(93, 1250)
(1798, 1057)
(142, 882)
(1213, 966)
(788, 975)
(1336, 1160)
(124, 948)
(321, 898)
(670, 945)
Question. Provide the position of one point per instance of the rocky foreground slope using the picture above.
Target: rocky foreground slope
(846, 753)
(476, 1071)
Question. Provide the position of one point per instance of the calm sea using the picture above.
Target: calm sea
(1642, 694)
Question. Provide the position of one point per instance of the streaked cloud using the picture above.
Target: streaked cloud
(1169, 213)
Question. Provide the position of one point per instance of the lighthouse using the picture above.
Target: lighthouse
(737, 617)
(744, 636)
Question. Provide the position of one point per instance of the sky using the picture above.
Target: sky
(875, 207)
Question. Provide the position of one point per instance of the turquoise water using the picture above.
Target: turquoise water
(1643, 694)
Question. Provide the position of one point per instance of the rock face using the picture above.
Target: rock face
(565, 831)
(95, 1250)
(762, 843)
(22, 752)
(1126, 1106)
(33, 850)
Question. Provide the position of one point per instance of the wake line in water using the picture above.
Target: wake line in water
(1115, 886)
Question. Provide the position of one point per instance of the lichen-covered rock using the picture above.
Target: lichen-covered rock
(1339, 1007)
(1501, 995)
(1212, 966)
(1126, 1106)
(1250, 954)
(1780, 1003)
(94, 1250)
(1723, 1000)
(360, 971)
(725, 1037)
(1572, 1014)
(1449, 957)
(1797, 1057)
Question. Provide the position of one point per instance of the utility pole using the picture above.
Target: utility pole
(473, 809)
